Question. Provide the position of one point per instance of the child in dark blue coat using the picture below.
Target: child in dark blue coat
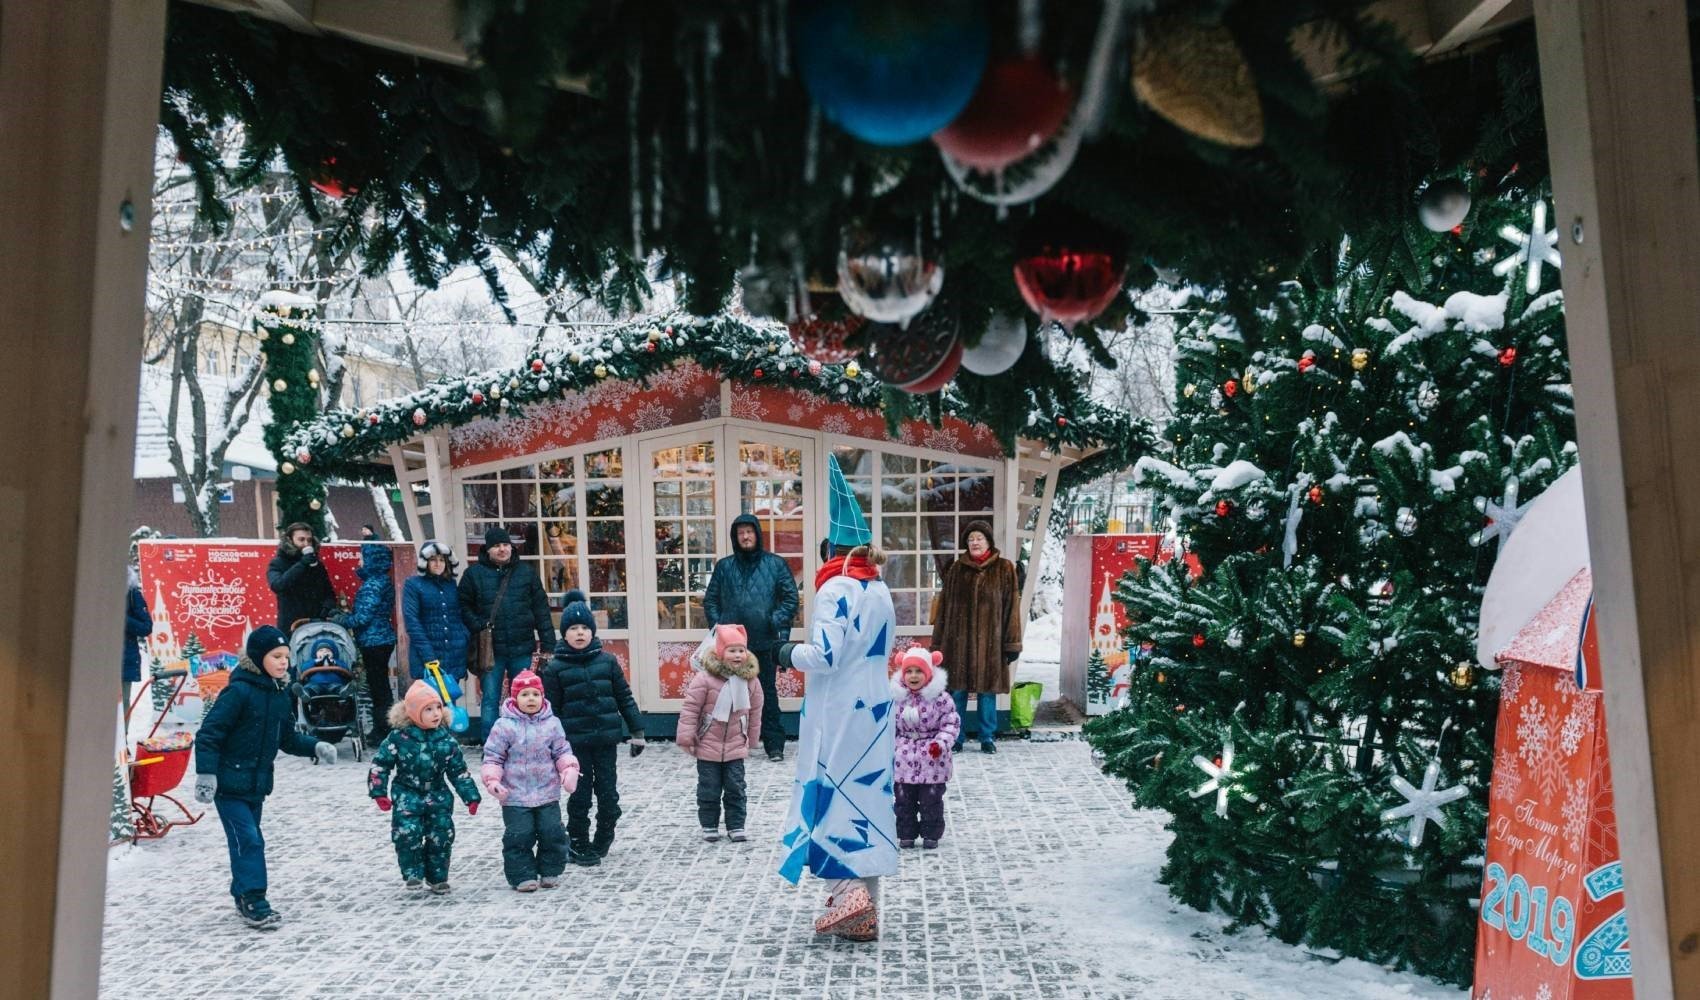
(241, 735)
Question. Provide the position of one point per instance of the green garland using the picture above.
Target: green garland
(290, 348)
(344, 443)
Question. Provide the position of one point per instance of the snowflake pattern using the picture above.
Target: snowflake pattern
(795, 414)
(1507, 774)
(834, 423)
(1538, 747)
(1575, 814)
(651, 417)
(746, 407)
(942, 439)
(612, 393)
(610, 428)
(710, 408)
(676, 380)
(1543, 992)
(1511, 683)
(1578, 722)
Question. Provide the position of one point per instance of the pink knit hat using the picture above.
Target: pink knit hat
(727, 636)
(419, 697)
(526, 679)
(922, 659)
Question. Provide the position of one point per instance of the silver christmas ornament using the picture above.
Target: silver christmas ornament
(1000, 347)
(1443, 205)
(882, 280)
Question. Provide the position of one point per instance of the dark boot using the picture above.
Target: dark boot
(582, 854)
(256, 912)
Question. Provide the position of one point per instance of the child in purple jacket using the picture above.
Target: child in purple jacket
(927, 725)
(527, 763)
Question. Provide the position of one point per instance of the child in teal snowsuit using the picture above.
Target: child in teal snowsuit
(425, 759)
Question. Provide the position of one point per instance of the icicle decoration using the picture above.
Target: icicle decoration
(710, 53)
(1295, 514)
(811, 145)
(634, 66)
(1030, 29)
(656, 186)
(1095, 88)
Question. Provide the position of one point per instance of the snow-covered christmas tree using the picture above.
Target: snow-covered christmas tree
(1337, 457)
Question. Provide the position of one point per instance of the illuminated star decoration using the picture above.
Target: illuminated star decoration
(1502, 516)
(1220, 776)
(1536, 247)
(1423, 804)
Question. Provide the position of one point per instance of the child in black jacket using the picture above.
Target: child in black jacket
(589, 692)
(241, 735)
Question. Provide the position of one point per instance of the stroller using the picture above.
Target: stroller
(322, 653)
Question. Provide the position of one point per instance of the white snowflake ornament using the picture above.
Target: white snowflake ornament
(1537, 247)
(1502, 516)
(1220, 778)
(1423, 805)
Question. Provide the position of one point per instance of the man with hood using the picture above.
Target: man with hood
(754, 588)
(299, 580)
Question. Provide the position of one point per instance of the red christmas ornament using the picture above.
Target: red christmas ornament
(757, 373)
(946, 371)
(1508, 357)
(1315, 494)
(667, 331)
(1019, 105)
(1198, 640)
(477, 398)
(537, 365)
(1307, 362)
(418, 417)
(1062, 421)
(1230, 388)
(920, 359)
(372, 418)
(1224, 508)
(1458, 230)
(329, 184)
(649, 346)
(1068, 268)
(1387, 589)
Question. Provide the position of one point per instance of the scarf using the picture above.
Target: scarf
(734, 697)
(856, 569)
(980, 560)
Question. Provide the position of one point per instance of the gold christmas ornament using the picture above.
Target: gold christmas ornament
(287, 468)
(1194, 75)
(288, 338)
(1250, 381)
(314, 504)
(1360, 359)
(313, 376)
(601, 371)
(1189, 390)
(654, 335)
(852, 370)
(1463, 675)
(1299, 640)
(280, 385)
(347, 430)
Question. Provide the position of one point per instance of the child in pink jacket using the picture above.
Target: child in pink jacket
(927, 725)
(527, 762)
(718, 726)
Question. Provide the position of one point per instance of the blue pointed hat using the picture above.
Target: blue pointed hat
(847, 528)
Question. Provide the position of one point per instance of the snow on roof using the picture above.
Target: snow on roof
(1539, 562)
(153, 460)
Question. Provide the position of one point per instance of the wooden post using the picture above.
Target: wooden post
(1619, 98)
(79, 103)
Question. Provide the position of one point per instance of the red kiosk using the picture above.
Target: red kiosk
(1552, 915)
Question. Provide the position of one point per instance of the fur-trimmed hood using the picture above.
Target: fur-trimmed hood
(932, 689)
(714, 666)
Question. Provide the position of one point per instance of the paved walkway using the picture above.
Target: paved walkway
(1045, 886)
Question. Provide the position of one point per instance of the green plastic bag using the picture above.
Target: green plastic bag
(1023, 703)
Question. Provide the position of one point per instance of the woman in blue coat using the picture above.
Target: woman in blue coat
(430, 611)
(138, 625)
(372, 621)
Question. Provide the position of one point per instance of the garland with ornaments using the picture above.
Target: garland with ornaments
(312, 446)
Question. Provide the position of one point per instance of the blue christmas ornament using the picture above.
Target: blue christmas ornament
(891, 72)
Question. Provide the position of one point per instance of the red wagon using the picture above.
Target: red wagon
(157, 769)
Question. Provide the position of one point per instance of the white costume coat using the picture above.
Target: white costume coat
(843, 821)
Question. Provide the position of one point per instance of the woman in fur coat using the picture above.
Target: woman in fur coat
(977, 626)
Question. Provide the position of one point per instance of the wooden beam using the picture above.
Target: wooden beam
(1619, 100)
(80, 86)
(427, 29)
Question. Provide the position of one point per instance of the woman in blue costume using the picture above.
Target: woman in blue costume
(843, 823)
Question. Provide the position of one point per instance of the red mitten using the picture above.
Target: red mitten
(472, 808)
(935, 750)
(383, 802)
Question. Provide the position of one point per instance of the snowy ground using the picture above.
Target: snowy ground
(1045, 886)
